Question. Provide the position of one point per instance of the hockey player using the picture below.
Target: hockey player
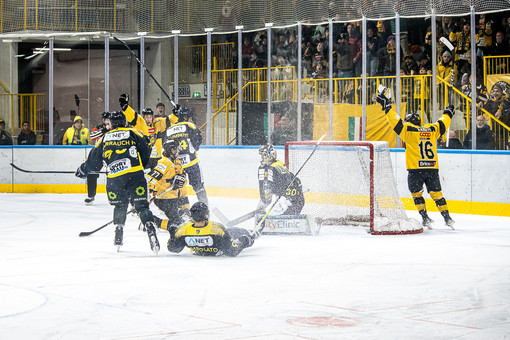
(169, 173)
(95, 134)
(207, 238)
(153, 127)
(421, 155)
(125, 152)
(190, 139)
(274, 180)
(134, 119)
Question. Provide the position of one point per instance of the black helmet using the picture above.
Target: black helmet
(105, 115)
(117, 119)
(413, 118)
(147, 111)
(184, 114)
(199, 212)
(169, 145)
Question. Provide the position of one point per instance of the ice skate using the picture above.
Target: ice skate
(447, 219)
(153, 240)
(89, 200)
(427, 221)
(119, 235)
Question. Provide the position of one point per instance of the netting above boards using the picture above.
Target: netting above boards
(193, 16)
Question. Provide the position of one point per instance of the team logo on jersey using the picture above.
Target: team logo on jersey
(426, 164)
(199, 241)
(117, 135)
(161, 167)
(133, 152)
(140, 191)
(425, 134)
(176, 129)
(112, 196)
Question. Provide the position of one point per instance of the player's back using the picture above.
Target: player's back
(206, 241)
(185, 133)
(120, 151)
(421, 145)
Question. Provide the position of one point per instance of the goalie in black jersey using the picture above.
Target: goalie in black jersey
(274, 180)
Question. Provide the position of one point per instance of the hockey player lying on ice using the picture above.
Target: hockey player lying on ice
(207, 238)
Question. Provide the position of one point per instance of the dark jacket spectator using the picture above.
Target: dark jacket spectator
(344, 59)
(283, 133)
(409, 66)
(484, 136)
(26, 136)
(5, 137)
(453, 142)
(500, 46)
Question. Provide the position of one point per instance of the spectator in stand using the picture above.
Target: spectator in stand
(26, 136)
(246, 50)
(255, 62)
(319, 56)
(345, 56)
(462, 42)
(77, 134)
(444, 68)
(387, 58)
(371, 36)
(409, 65)
(423, 61)
(282, 46)
(5, 137)
(500, 46)
(372, 59)
(453, 143)
(283, 133)
(320, 71)
(484, 135)
(355, 42)
(499, 107)
(382, 32)
(307, 58)
(447, 26)
(483, 36)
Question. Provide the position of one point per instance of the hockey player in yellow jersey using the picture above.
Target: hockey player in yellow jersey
(134, 119)
(169, 173)
(421, 155)
(156, 131)
(208, 238)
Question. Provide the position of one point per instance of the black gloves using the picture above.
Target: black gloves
(449, 110)
(176, 108)
(384, 102)
(123, 101)
(81, 172)
(179, 181)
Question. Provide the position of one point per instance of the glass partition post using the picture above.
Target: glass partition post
(299, 79)
(473, 80)
(50, 93)
(398, 96)
(239, 85)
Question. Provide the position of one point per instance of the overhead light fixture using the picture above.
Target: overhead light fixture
(43, 49)
(141, 34)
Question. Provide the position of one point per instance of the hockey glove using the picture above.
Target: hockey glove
(261, 206)
(280, 206)
(81, 172)
(179, 181)
(175, 110)
(123, 101)
(449, 110)
(246, 241)
(384, 102)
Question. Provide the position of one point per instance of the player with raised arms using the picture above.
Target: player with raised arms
(421, 155)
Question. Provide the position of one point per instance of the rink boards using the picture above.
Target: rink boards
(474, 182)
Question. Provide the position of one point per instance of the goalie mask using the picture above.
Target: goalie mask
(413, 118)
(267, 153)
(117, 119)
(171, 148)
(199, 212)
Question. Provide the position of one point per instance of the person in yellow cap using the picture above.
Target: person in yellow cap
(76, 134)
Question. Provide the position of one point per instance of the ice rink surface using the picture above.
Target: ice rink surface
(341, 284)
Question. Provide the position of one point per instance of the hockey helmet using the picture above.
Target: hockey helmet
(199, 212)
(105, 115)
(169, 145)
(267, 153)
(413, 118)
(147, 111)
(117, 119)
(184, 114)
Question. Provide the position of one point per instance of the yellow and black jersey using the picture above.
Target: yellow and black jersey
(274, 180)
(161, 178)
(124, 150)
(156, 135)
(190, 139)
(136, 121)
(462, 42)
(421, 141)
(212, 239)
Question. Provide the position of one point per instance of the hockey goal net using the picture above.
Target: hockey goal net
(350, 183)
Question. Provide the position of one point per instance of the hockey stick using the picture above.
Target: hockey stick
(87, 233)
(258, 228)
(146, 69)
(449, 45)
(52, 171)
(236, 221)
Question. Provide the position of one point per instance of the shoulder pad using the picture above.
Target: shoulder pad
(191, 125)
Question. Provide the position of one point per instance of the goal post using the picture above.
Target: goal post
(351, 183)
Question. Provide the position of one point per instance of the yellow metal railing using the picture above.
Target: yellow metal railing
(193, 60)
(495, 65)
(23, 107)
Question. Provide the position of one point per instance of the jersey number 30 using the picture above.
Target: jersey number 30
(426, 151)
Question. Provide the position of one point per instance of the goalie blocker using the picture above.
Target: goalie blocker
(288, 224)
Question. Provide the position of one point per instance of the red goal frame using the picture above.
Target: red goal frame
(371, 179)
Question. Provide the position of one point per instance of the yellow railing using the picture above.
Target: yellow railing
(495, 65)
(23, 106)
(193, 60)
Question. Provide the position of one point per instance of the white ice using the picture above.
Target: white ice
(343, 284)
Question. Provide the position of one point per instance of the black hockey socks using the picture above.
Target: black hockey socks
(119, 235)
(119, 214)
